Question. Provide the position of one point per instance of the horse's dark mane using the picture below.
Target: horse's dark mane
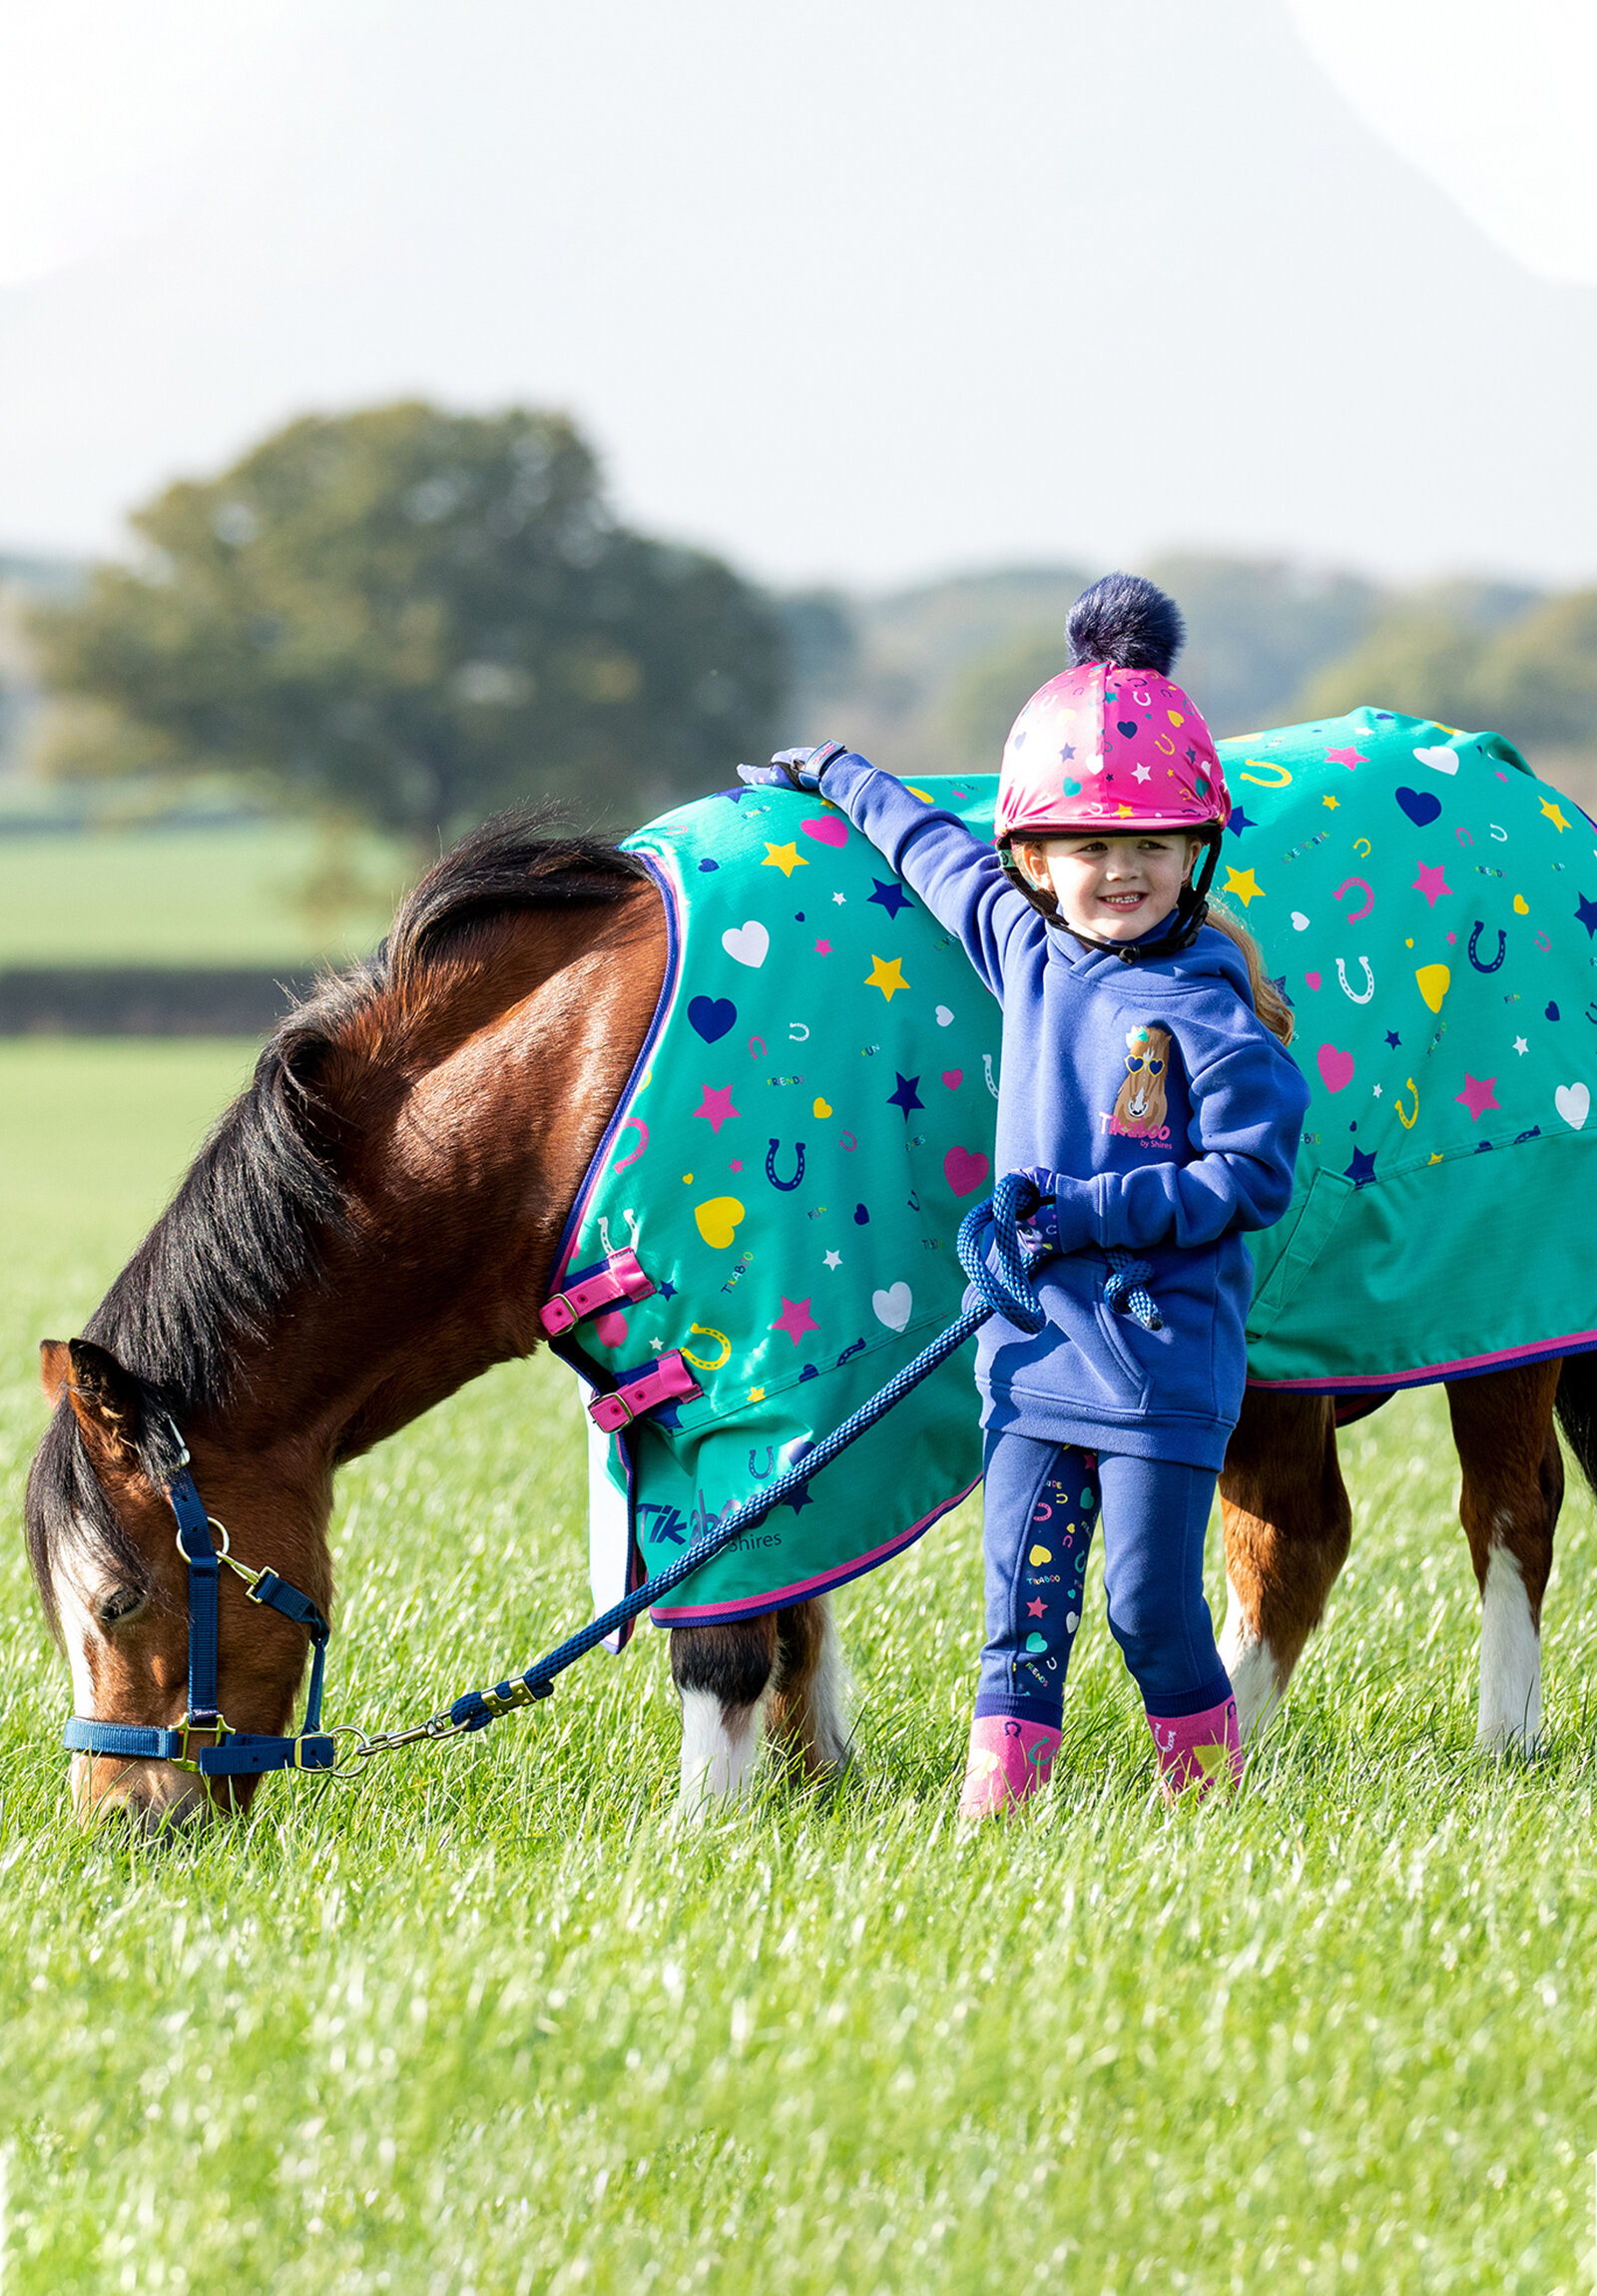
(249, 1221)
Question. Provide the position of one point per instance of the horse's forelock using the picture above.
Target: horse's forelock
(69, 1517)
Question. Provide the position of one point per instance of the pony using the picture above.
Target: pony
(373, 1222)
(1140, 1103)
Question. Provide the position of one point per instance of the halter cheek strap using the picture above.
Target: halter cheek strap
(233, 1753)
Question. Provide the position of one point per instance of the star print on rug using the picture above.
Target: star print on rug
(891, 897)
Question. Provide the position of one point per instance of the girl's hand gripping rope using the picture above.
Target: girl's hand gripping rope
(1038, 1227)
(1040, 1231)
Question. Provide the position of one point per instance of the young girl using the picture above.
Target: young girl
(1146, 1091)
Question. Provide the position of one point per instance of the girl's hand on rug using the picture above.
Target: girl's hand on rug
(794, 769)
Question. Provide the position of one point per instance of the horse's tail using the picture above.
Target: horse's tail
(1576, 1404)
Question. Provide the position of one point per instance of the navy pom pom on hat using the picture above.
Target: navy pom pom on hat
(1113, 744)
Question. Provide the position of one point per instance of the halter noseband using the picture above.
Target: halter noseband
(234, 1753)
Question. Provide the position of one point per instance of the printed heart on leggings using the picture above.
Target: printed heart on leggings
(1441, 759)
(1421, 806)
(893, 1305)
(1126, 728)
(1039, 1555)
(711, 1016)
(1036, 1642)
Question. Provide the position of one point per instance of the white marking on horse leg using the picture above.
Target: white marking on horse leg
(829, 1700)
(1250, 1665)
(1510, 1661)
(719, 1748)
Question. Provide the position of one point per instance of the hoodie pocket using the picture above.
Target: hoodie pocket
(1119, 1353)
(1100, 1369)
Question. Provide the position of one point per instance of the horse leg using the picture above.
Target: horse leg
(808, 1714)
(1287, 1527)
(1513, 1485)
(722, 1673)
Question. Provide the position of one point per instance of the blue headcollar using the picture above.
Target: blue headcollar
(232, 1753)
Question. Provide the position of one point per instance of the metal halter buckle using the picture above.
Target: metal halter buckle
(217, 1723)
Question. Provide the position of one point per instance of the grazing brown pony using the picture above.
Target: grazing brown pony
(373, 1222)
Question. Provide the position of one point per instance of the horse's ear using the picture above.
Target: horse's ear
(104, 1397)
(55, 1368)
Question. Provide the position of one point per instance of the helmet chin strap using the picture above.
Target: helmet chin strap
(1185, 925)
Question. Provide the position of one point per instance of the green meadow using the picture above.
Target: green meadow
(225, 896)
(490, 2022)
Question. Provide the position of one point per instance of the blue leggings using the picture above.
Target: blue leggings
(1041, 1502)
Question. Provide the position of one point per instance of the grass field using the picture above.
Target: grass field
(490, 2023)
(184, 896)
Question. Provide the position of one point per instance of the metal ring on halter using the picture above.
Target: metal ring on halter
(353, 1766)
(223, 1553)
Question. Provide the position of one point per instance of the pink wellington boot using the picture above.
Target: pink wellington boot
(1008, 1761)
(1198, 1750)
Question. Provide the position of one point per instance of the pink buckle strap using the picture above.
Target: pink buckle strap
(665, 1382)
(617, 1278)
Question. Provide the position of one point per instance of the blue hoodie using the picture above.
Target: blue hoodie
(1168, 1118)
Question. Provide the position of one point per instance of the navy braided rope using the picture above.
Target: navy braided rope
(1008, 1293)
(1126, 1288)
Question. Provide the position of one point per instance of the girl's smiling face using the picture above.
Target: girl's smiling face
(1112, 888)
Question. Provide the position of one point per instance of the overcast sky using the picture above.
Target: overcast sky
(855, 290)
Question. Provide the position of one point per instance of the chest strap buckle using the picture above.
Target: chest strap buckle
(617, 1278)
(668, 1380)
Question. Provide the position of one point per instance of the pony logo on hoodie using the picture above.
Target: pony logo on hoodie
(1139, 1110)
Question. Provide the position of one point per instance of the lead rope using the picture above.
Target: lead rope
(1126, 1288)
(1009, 1291)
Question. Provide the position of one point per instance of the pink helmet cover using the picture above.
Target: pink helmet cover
(1106, 749)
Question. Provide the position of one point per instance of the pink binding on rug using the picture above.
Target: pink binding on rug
(1198, 1749)
(1007, 1762)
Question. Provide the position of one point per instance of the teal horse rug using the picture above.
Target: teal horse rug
(766, 1233)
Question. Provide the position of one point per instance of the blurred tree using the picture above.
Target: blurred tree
(1255, 628)
(1479, 656)
(1417, 659)
(414, 617)
(1538, 679)
(988, 698)
(823, 641)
